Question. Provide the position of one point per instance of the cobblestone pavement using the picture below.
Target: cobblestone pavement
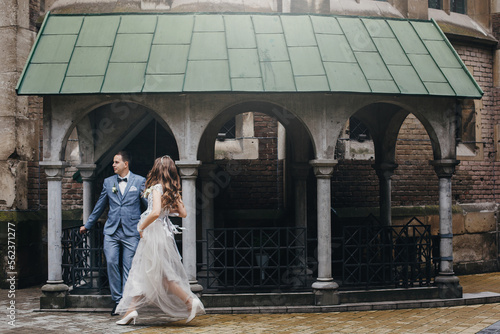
(460, 319)
(481, 318)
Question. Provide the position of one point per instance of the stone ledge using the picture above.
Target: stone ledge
(468, 299)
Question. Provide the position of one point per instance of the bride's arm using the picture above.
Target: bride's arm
(179, 209)
(155, 211)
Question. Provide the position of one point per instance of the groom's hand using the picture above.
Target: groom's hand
(82, 229)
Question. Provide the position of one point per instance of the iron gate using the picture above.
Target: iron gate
(83, 260)
(397, 256)
(257, 258)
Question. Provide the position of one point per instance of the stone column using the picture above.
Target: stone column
(384, 173)
(447, 282)
(55, 291)
(325, 289)
(87, 173)
(188, 171)
(209, 192)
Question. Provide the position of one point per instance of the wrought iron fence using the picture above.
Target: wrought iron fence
(397, 256)
(269, 259)
(83, 260)
(257, 259)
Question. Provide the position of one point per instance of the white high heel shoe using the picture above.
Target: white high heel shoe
(195, 304)
(127, 319)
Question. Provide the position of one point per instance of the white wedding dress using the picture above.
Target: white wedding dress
(156, 265)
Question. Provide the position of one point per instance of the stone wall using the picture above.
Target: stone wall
(17, 148)
(21, 224)
(475, 241)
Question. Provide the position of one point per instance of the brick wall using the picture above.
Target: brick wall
(414, 181)
(354, 184)
(72, 191)
(475, 180)
(255, 184)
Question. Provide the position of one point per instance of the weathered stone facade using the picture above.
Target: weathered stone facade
(19, 148)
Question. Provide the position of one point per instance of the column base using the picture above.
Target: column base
(195, 288)
(325, 292)
(449, 287)
(54, 295)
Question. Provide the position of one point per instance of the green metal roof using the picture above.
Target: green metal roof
(133, 53)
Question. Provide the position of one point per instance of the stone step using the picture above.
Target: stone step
(257, 299)
(217, 300)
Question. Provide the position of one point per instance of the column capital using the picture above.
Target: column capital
(188, 169)
(323, 168)
(385, 169)
(54, 169)
(87, 171)
(444, 168)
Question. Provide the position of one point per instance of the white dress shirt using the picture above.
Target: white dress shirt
(122, 185)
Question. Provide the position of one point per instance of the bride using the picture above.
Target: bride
(157, 276)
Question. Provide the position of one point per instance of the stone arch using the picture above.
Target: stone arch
(296, 129)
(216, 174)
(385, 118)
(93, 129)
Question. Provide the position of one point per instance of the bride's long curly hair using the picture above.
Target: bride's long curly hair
(165, 172)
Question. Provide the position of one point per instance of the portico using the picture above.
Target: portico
(311, 87)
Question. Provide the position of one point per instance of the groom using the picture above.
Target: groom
(123, 194)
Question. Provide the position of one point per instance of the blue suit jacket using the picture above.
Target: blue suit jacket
(124, 209)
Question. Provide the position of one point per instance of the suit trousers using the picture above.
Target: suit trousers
(119, 250)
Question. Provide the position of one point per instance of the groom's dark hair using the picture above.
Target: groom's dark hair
(125, 156)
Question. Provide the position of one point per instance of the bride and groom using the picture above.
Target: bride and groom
(143, 263)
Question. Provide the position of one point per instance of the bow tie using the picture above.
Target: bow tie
(122, 180)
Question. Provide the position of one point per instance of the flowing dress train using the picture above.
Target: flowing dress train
(157, 270)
